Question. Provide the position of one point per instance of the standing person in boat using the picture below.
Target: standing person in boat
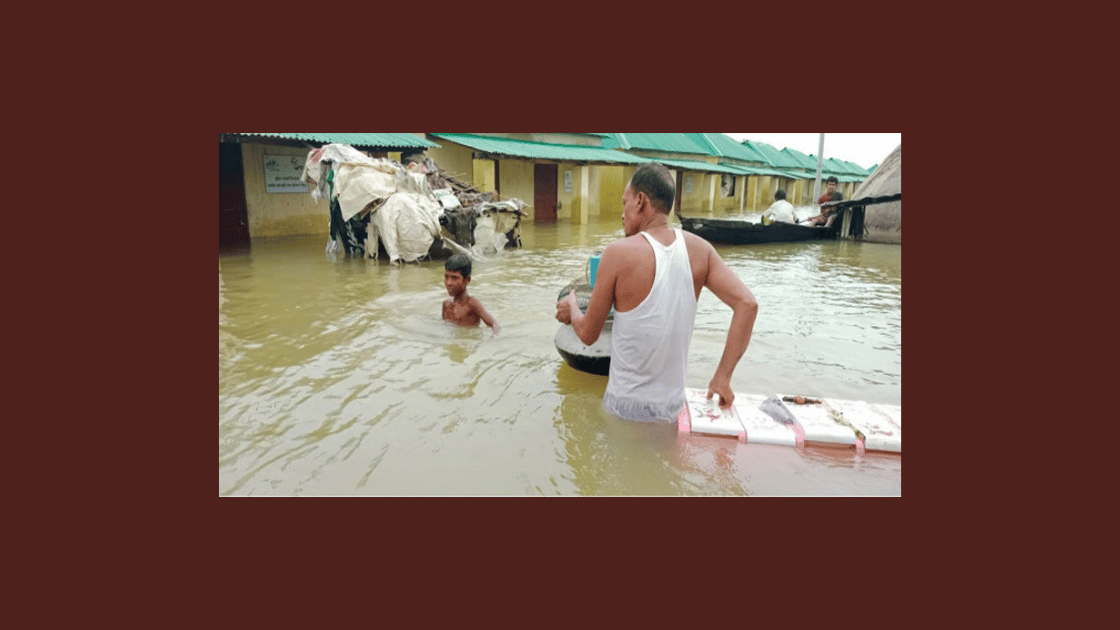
(829, 195)
(653, 278)
(780, 210)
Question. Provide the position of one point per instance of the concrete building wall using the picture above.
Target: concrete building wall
(516, 179)
(612, 184)
(570, 205)
(482, 175)
(726, 205)
(279, 214)
(453, 159)
(695, 194)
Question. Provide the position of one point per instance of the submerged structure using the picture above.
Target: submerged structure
(875, 210)
(379, 208)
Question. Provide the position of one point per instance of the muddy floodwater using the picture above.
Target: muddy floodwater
(337, 377)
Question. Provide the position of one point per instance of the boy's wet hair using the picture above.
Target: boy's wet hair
(832, 179)
(460, 263)
(781, 194)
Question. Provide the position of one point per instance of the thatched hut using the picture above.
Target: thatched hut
(880, 196)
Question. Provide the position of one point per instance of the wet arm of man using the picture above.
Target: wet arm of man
(588, 326)
(727, 286)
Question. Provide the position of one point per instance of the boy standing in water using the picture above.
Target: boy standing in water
(461, 308)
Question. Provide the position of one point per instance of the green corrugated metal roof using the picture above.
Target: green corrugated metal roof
(840, 167)
(773, 155)
(383, 140)
(829, 166)
(726, 146)
(541, 150)
(696, 165)
(667, 142)
(759, 170)
(804, 160)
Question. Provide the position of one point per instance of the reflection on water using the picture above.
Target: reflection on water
(338, 377)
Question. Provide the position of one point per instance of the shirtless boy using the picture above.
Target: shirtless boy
(461, 308)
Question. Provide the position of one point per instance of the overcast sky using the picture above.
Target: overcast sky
(865, 149)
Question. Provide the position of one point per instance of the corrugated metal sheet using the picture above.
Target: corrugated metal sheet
(726, 146)
(667, 142)
(856, 168)
(759, 170)
(774, 156)
(839, 167)
(696, 165)
(379, 140)
(541, 150)
(804, 160)
(829, 166)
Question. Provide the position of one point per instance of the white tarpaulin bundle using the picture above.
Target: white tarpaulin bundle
(403, 210)
(359, 185)
(407, 224)
(505, 213)
(359, 180)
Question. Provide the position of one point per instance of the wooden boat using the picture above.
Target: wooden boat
(742, 232)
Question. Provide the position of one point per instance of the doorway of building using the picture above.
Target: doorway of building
(544, 192)
(233, 212)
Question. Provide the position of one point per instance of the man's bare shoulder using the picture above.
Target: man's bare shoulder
(626, 246)
(696, 244)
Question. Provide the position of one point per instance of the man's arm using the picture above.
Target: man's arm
(730, 289)
(588, 326)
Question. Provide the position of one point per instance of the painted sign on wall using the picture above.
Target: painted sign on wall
(282, 174)
(567, 181)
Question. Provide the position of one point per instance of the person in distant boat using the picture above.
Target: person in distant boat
(653, 278)
(780, 210)
(461, 308)
(829, 195)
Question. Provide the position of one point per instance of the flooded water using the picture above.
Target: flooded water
(338, 376)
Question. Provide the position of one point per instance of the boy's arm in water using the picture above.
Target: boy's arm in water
(484, 315)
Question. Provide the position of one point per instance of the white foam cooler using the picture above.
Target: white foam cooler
(871, 424)
(743, 420)
(826, 422)
(818, 426)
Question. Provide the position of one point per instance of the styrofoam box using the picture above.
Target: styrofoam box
(707, 416)
(819, 427)
(894, 412)
(879, 432)
(760, 427)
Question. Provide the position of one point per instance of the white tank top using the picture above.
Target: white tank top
(649, 344)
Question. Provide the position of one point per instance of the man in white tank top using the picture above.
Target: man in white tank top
(653, 278)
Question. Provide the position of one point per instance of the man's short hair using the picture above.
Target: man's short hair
(781, 194)
(832, 180)
(460, 263)
(656, 182)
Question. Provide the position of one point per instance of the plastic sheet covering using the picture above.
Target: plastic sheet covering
(506, 214)
(447, 198)
(361, 185)
(486, 240)
(407, 224)
(360, 181)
